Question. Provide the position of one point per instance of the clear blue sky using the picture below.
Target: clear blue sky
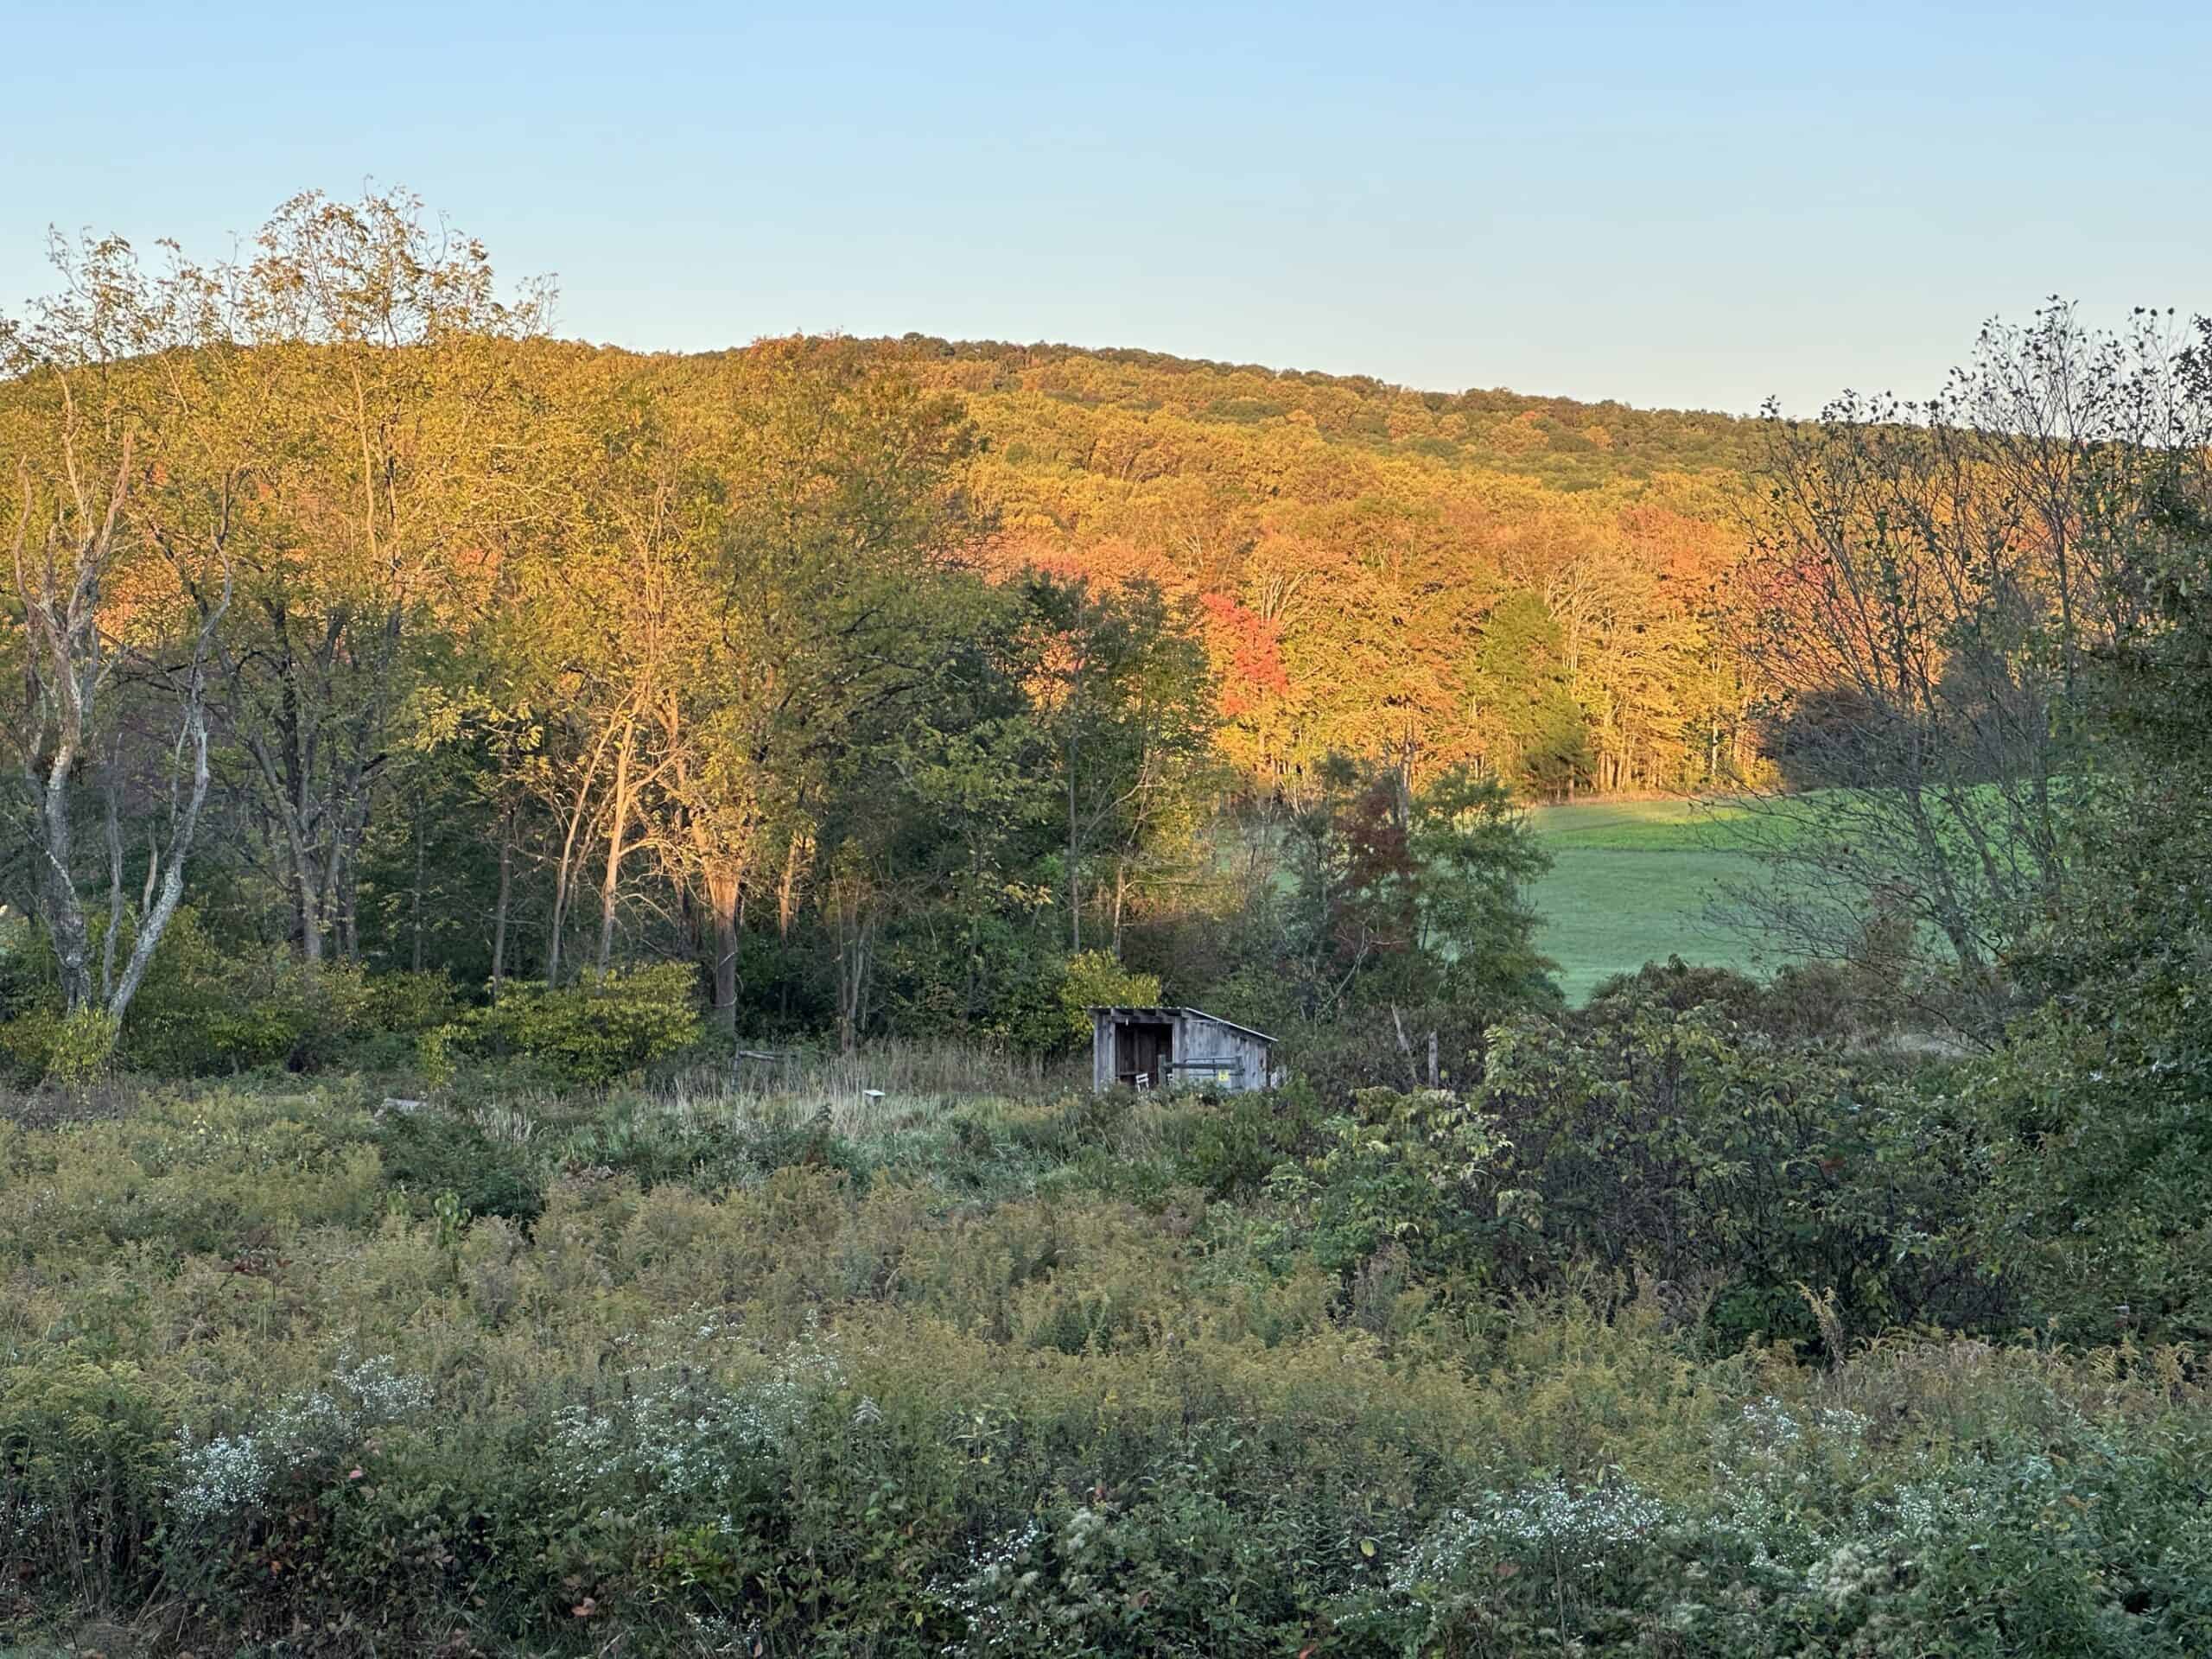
(1692, 204)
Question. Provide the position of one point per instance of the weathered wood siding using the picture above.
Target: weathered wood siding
(1242, 1059)
(1101, 1051)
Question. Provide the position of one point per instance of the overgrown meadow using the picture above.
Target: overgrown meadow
(1613, 1352)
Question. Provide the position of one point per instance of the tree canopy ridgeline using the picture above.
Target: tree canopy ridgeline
(1348, 543)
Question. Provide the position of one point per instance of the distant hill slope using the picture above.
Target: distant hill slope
(1527, 584)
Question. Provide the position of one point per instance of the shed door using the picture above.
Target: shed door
(1143, 1049)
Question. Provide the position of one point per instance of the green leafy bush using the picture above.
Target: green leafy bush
(1097, 979)
(1415, 1173)
(427, 1152)
(203, 1011)
(1388, 1047)
(1803, 1002)
(68, 1049)
(406, 1003)
(27, 980)
(595, 1030)
(1735, 1169)
(1229, 1145)
(986, 980)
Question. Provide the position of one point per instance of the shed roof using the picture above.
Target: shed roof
(1119, 1013)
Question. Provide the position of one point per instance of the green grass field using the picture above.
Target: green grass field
(1628, 884)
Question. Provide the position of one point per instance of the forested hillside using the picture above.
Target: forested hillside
(1524, 584)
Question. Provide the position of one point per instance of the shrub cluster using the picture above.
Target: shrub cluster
(206, 1012)
(590, 1033)
(1115, 1375)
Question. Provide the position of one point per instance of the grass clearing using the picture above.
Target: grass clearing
(1628, 884)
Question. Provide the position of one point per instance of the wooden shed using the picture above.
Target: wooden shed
(1167, 1048)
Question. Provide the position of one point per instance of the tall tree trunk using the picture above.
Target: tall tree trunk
(1075, 879)
(723, 893)
(416, 954)
(618, 827)
(499, 909)
(346, 884)
(65, 914)
(559, 921)
(571, 857)
(855, 937)
(114, 885)
(303, 879)
(288, 789)
(796, 853)
(183, 822)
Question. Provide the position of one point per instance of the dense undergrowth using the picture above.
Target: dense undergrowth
(1631, 1349)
